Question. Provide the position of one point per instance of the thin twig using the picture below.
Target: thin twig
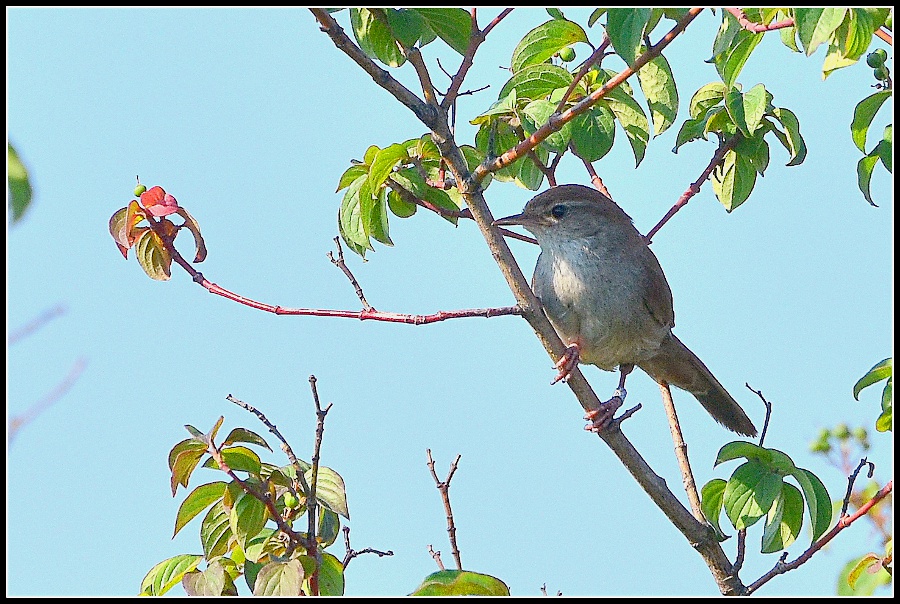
(687, 475)
(755, 27)
(51, 398)
(444, 487)
(436, 556)
(35, 324)
(475, 40)
(595, 180)
(595, 57)
(339, 262)
(311, 502)
(741, 550)
(852, 479)
(717, 158)
(352, 553)
(782, 567)
(762, 434)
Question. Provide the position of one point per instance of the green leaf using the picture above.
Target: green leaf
(153, 256)
(863, 115)
(783, 521)
(789, 38)
(725, 35)
(536, 114)
(239, 459)
(705, 98)
(750, 493)
(747, 109)
(331, 576)
(412, 181)
(215, 531)
(544, 41)
(210, 582)
(756, 151)
(733, 180)
(330, 490)
(793, 141)
(452, 25)
(20, 192)
(733, 61)
(815, 25)
(529, 176)
(461, 583)
(375, 37)
(182, 467)
(279, 579)
(406, 25)
(598, 12)
(817, 501)
(243, 435)
(350, 220)
(247, 518)
(881, 371)
(351, 174)
(633, 121)
(168, 573)
(593, 132)
(400, 207)
(658, 85)
(377, 218)
(384, 163)
(504, 106)
(198, 500)
(625, 28)
(866, 583)
(740, 448)
(864, 170)
(711, 501)
(328, 527)
(536, 81)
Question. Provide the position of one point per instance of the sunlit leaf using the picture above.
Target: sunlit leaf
(168, 573)
(198, 500)
(544, 41)
(461, 583)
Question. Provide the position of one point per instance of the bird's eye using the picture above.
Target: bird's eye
(559, 210)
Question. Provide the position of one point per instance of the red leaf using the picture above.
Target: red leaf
(158, 202)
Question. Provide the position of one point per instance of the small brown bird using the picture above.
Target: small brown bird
(605, 293)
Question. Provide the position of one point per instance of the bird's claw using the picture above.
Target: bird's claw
(566, 363)
(600, 417)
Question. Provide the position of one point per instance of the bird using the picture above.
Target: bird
(606, 295)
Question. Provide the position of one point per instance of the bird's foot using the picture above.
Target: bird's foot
(602, 415)
(566, 363)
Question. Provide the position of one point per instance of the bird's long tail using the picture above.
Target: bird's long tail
(678, 366)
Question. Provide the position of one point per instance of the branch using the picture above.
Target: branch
(692, 190)
(16, 423)
(687, 476)
(35, 324)
(444, 487)
(595, 57)
(846, 520)
(436, 556)
(885, 35)
(558, 120)
(595, 180)
(755, 27)
(477, 37)
(352, 553)
(311, 505)
(765, 428)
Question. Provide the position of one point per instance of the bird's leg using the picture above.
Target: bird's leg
(602, 415)
(567, 362)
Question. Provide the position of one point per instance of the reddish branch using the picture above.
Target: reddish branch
(846, 520)
(885, 35)
(352, 553)
(475, 41)
(695, 186)
(558, 120)
(755, 27)
(35, 324)
(594, 58)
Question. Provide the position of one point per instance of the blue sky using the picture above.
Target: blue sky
(249, 117)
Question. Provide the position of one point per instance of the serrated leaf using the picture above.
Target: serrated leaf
(330, 490)
(658, 85)
(815, 25)
(247, 518)
(331, 576)
(197, 501)
(633, 120)
(375, 37)
(750, 493)
(279, 579)
(20, 192)
(733, 180)
(536, 81)
(881, 371)
(593, 133)
(863, 115)
(544, 41)
(817, 501)
(711, 501)
(783, 521)
(461, 583)
(153, 256)
(625, 28)
(168, 573)
(215, 531)
(452, 25)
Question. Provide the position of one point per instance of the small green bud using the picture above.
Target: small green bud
(139, 190)
(842, 432)
(290, 500)
(567, 54)
(881, 73)
(860, 433)
(876, 58)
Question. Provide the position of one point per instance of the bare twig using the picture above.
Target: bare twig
(16, 423)
(782, 567)
(341, 265)
(741, 550)
(436, 556)
(687, 475)
(755, 27)
(475, 41)
(717, 158)
(311, 502)
(444, 487)
(852, 479)
(352, 553)
(595, 180)
(35, 324)
(762, 434)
